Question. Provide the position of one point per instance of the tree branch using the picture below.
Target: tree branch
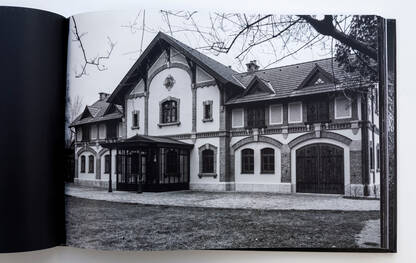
(327, 28)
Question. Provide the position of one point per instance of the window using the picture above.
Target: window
(112, 130)
(342, 108)
(171, 162)
(267, 160)
(317, 111)
(169, 111)
(208, 161)
(90, 164)
(295, 112)
(237, 118)
(107, 164)
(255, 117)
(207, 107)
(247, 161)
(276, 114)
(135, 120)
(378, 157)
(85, 133)
(83, 164)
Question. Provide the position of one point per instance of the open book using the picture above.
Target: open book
(158, 129)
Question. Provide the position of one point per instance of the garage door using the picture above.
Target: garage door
(320, 169)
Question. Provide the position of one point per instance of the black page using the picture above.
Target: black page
(33, 50)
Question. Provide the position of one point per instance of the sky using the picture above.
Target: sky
(96, 28)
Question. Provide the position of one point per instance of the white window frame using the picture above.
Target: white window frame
(301, 112)
(335, 109)
(281, 114)
(242, 118)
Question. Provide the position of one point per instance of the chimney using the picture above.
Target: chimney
(103, 95)
(252, 66)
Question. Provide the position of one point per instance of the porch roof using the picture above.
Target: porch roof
(146, 141)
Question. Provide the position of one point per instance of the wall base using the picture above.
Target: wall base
(93, 183)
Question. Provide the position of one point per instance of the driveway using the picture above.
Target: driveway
(237, 200)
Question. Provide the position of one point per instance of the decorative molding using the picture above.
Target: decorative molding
(169, 82)
(171, 65)
(323, 134)
(207, 146)
(251, 139)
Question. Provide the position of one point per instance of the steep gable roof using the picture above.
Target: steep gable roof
(220, 72)
(258, 86)
(97, 112)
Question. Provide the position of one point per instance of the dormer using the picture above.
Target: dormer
(317, 77)
(258, 86)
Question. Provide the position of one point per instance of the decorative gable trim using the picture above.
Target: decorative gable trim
(258, 86)
(86, 113)
(323, 76)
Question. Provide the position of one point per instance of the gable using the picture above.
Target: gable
(111, 109)
(316, 77)
(86, 113)
(258, 86)
(139, 88)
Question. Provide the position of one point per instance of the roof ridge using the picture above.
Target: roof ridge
(290, 65)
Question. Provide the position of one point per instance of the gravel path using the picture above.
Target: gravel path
(263, 201)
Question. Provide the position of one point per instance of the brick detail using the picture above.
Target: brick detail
(323, 134)
(261, 138)
(286, 161)
(355, 167)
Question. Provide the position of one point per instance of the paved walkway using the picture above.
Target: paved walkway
(266, 201)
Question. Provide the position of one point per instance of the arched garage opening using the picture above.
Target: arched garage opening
(320, 169)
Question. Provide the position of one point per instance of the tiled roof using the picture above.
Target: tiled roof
(98, 112)
(286, 81)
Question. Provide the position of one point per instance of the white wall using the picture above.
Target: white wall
(257, 177)
(136, 104)
(181, 90)
(194, 162)
(204, 94)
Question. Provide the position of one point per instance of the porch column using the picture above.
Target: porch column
(110, 182)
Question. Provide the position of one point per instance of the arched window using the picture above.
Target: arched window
(83, 164)
(247, 161)
(169, 111)
(267, 160)
(91, 164)
(208, 161)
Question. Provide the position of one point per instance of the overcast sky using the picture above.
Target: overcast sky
(96, 27)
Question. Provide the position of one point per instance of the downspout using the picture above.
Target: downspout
(364, 145)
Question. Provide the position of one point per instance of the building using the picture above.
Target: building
(181, 120)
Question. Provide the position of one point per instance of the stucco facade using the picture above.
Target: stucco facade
(209, 117)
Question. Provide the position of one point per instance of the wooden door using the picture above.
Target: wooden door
(320, 169)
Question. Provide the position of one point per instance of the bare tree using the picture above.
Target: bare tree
(74, 109)
(95, 61)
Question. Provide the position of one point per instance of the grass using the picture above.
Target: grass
(109, 225)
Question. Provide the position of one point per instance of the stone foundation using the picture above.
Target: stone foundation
(94, 183)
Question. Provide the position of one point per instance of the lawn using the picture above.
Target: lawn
(109, 225)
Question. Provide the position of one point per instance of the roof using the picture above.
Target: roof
(146, 140)
(289, 81)
(99, 111)
(219, 71)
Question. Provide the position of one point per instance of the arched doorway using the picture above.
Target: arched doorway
(320, 169)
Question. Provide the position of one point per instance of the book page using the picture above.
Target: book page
(207, 130)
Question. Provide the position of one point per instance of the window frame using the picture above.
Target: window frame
(91, 164)
(83, 164)
(245, 154)
(207, 103)
(289, 112)
(281, 114)
(202, 172)
(242, 118)
(135, 119)
(207, 161)
(263, 157)
(85, 133)
(335, 108)
(162, 117)
(254, 112)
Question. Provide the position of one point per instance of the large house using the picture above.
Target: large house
(181, 120)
